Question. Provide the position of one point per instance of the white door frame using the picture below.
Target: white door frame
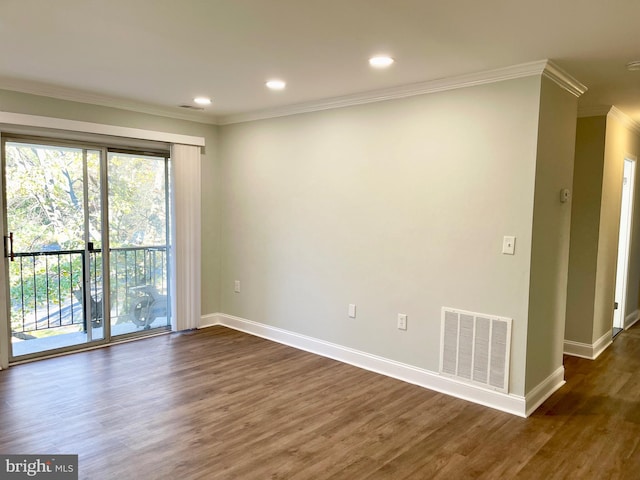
(4, 301)
(624, 242)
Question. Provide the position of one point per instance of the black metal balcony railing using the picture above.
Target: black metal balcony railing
(47, 287)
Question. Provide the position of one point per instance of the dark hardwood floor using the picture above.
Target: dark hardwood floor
(219, 404)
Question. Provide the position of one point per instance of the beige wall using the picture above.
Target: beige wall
(602, 143)
(619, 143)
(398, 206)
(38, 105)
(633, 281)
(585, 227)
(609, 225)
(551, 229)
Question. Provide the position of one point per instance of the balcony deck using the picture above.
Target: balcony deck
(47, 316)
(37, 345)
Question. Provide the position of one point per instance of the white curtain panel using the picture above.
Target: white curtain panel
(186, 261)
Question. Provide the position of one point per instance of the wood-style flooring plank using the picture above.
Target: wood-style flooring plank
(218, 404)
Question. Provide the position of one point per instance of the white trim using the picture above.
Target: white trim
(546, 67)
(5, 307)
(563, 79)
(631, 319)
(510, 403)
(544, 390)
(594, 111)
(623, 257)
(578, 349)
(9, 118)
(609, 110)
(602, 344)
(85, 138)
(541, 67)
(624, 119)
(209, 320)
(74, 95)
(588, 351)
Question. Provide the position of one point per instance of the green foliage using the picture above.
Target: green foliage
(44, 197)
(38, 280)
(137, 207)
(46, 211)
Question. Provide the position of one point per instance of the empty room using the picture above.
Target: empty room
(284, 239)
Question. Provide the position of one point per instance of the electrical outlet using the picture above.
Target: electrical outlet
(402, 321)
(352, 310)
(236, 286)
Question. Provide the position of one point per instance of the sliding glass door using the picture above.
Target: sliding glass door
(53, 213)
(65, 205)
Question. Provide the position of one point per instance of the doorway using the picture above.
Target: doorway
(624, 240)
(65, 206)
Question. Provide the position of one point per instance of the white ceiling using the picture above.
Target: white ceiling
(153, 55)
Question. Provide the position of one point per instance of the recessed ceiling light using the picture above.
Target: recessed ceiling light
(202, 100)
(633, 66)
(381, 61)
(276, 84)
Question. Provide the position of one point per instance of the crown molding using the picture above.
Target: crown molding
(624, 119)
(563, 79)
(612, 111)
(542, 67)
(73, 95)
(593, 111)
(403, 91)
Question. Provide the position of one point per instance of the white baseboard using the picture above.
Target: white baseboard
(631, 319)
(510, 403)
(544, 390)
(589, 351)
(578, 349)
(208, 320)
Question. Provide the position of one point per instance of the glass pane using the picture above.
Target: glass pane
(45, 199)
(45, 211)
(138, 243)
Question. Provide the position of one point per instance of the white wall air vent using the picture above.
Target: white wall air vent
(475, 348)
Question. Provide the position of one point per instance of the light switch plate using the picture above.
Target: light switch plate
(509, 245)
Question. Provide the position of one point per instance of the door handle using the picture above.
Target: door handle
(8, 247)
